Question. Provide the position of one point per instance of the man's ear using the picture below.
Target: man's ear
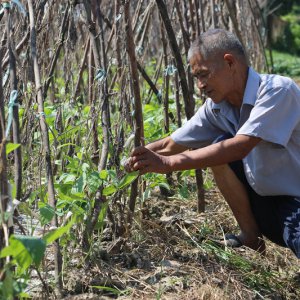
(229, 59)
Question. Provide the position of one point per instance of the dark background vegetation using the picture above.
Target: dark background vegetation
(286, 20)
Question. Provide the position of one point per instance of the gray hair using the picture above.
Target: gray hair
(216, 41)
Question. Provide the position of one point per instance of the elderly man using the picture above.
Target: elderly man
(248, 132)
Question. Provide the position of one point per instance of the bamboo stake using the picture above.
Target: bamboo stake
(235, 25)
(117, 44)
(105, 113)
(177, 99)
(15, 122)
(187, 96)
(213, 13)
(63, 28)
(91, 75)
(138, 115)
(46, 145)
(166, 82)
(192, 14)
(94, 49)
(136, 14)
(259, 38)
(185, 36)
(4, 231)
(81, 68)
(197, 17)
(202, 15)
(198, 175)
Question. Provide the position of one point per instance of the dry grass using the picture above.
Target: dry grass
(169, 256)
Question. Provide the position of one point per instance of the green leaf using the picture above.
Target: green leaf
(65, 145)
(164, 185)
(64, 188)
(185, 173)
(25, 250)
(93, 181)
(184, 192)
(8, 287)
(86, 109)
(106, 288)
(35, 247)
(109, 190)
(127, 179)
(102, 214)
(112, 173)
(57, 233)
(79, 155)
(103, 174)
(46, 212)
(79, 185)
(11, 147)
(67, 178)
(70, 198)
(85, 167)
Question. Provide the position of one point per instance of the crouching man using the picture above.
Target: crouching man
(248, 132)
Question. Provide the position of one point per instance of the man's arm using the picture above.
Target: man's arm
(166, 147)
(236, 148)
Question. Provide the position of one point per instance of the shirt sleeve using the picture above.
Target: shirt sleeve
(199, 131)
(274, 116)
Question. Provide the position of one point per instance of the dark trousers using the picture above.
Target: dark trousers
(278, 217)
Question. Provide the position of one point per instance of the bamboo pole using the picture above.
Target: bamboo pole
(4, 199)
(138, 114)
(15, 116)
(62, 34)
(213, 13)
(46, 145)
(81, 69)
(187, 96)
(105, 113)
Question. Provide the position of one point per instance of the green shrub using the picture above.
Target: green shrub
(286, 64)
(290, 40)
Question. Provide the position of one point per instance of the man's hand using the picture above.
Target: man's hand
(145, 161)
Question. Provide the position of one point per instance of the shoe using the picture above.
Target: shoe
(229, 240)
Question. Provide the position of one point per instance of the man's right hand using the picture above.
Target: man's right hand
(145, 161)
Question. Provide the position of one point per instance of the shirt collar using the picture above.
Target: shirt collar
(252, 86)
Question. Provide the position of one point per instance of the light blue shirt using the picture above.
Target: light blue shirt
(270, 111)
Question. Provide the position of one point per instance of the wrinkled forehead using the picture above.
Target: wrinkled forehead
(199, 64)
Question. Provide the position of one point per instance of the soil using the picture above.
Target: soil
(169, 255)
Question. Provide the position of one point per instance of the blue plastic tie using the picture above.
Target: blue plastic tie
(170, 70)
(11, 104)
(40, 114)
(139, 50)
(159, 96)
(20, 6)
(118, 17)
(3, 6)
(100, 75)
(6, 5)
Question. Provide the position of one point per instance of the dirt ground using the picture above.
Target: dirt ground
(169, 255)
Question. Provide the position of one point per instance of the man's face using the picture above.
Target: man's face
(213, 77)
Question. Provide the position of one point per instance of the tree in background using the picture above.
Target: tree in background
(284, 25)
